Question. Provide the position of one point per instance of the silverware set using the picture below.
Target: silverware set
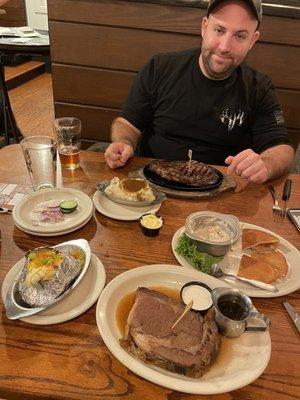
(279, 213)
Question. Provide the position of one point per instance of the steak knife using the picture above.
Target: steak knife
(286, 192)
(293, 314)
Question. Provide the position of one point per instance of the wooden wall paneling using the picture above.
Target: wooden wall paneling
(96, 121)
(295, 137)
(160, 18)
(108, 88)
(114, 48)
(92, 86)
(280, 62)
(128, 49)
(290, 101)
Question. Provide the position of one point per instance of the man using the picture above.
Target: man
(227, 113)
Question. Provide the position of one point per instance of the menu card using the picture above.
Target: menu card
(11, 194)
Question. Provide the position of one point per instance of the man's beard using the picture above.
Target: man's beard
(209, 63)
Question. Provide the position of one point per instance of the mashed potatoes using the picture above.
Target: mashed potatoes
(130, 189)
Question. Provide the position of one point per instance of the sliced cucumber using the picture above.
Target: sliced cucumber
(68, 206)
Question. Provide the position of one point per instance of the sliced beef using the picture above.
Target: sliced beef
(189, 348)
(198, 174)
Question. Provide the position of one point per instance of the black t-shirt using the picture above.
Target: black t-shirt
(177, 108)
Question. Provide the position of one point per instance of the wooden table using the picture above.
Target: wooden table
(70, 360)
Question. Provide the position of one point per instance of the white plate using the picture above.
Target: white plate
(250, 353)
(23, 215)
(74, 304)
(120, 211)
(231, 262)
(59, 233)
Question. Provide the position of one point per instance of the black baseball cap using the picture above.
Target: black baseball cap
(255, 6)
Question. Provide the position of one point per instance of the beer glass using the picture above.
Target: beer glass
(68, 131)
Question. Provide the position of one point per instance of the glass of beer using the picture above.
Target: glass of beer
(68, 131)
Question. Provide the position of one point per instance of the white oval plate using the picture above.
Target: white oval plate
(250, 352)
(23, 215)
(119, 211)
(231, 261)
(76, 303)
(63, 232)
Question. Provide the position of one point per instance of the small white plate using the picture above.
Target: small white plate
(24, 216)
(247, 358)
(230, 263)
(76, 303)
(119, 211)
(59, 233)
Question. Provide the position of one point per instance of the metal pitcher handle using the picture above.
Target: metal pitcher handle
(262, 317)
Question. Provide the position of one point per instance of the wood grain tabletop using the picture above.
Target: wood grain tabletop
(70, 360)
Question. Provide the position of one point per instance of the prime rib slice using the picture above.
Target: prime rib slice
(188, 349)
(198, 174)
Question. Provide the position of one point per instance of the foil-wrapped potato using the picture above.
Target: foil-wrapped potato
(48, 272)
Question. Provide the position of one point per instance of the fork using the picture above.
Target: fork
(277, 210)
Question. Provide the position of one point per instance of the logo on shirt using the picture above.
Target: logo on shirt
(278, 114)
(232, 118)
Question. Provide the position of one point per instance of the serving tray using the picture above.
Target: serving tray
(228, 183)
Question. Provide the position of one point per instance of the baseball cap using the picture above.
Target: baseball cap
(254, 4)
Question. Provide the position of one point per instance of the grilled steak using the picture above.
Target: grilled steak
(189, 348)
(198, 174)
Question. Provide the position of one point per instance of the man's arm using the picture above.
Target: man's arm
(259, 168)
(124, 138)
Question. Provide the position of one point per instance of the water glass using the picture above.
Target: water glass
(68, 130)
(40, 153)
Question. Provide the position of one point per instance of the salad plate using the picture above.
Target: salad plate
(73, 304)
(230, 264)
(119, 211)
(159, 197)
(240, 362)
(59, 233)
(26, 218)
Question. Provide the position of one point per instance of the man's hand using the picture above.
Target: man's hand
(117, 154)
(248, 165)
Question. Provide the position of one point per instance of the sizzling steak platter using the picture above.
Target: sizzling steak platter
(198, 174)
(189, 348)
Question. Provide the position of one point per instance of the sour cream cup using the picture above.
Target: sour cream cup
(199, 293)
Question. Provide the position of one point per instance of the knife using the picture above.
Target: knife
(286, 193)
(293, 314)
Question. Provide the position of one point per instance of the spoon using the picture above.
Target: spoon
(217, 272)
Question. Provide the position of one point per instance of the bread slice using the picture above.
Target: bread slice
(275, 258)
(258, 240)
(254, 268)
(264, 266)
